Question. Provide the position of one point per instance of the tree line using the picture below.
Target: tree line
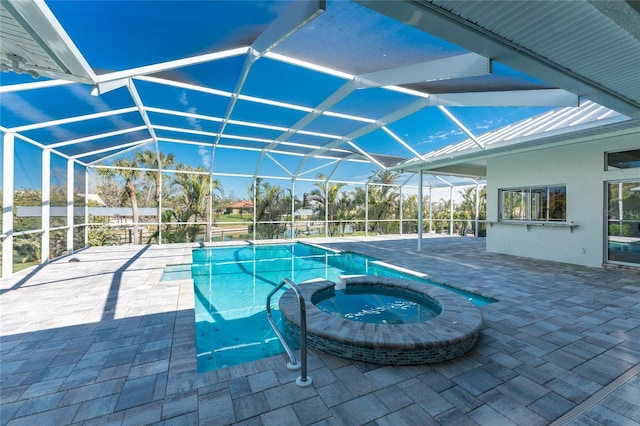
(189, 201)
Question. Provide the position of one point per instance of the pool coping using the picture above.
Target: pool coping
(449, 335)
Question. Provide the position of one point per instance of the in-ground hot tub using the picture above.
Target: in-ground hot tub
(450, 329)
(377, 304)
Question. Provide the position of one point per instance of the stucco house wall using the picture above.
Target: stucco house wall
(580, 165)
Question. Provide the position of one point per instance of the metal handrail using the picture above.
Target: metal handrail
(303, 380)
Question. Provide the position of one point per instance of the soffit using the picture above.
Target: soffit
(32, 42)
(591, 48)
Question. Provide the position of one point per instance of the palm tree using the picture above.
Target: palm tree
(468, 203)
(410, 207)
(327, 195)
(196, 197)
(441, 213)
(149, 159)
(268, 207)
(383, 198)
(127, 169)
(482, 214)
(210, 186)
(345, 210)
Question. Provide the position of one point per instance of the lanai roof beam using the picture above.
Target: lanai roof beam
(103, 86)
(317, 168)
(367, 155)
(458, 66)
(394, 116)
(35, 85)
(145, 117)
(461, 126)
(295, 17)
(96, 137)
(72, 119)
(516, 98)
(277, 163)
(132, 146)
(129, 146)
(405, 145)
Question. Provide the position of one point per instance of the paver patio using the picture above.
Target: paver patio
(103, 341)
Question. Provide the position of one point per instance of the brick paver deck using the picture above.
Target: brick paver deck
(103, 341)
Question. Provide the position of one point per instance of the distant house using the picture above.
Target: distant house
(239, 207)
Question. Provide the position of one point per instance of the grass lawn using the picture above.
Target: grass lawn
(226, 218)
(20, 266)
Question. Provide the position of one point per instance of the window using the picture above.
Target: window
(535, 204)
(557, 203)
(514, 204)
(623, 160)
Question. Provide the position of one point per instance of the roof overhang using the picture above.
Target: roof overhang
(34, 42)
(535, 38)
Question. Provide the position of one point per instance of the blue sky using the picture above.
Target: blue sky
(114, 36)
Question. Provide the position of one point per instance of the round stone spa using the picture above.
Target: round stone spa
(383, 320)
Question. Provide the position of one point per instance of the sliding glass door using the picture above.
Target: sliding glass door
(623, 222)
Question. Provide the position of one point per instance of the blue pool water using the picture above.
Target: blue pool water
(376, 305)
(231, 285)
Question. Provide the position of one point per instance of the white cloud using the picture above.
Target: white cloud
(23, 109)
(193, 122)
(205, 156)
(183, 98)
(439, 137)
(491, 124)
(488, 124)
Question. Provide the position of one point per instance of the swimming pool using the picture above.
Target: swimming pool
(231, 285)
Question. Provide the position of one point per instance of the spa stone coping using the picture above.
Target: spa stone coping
(450, 334)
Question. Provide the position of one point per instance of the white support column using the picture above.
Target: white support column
(476, 233)
(326, 208)
(46, 206)
(7, 204)
(70, 206)
(86, 207)
(620, 210)
(160, 207)
(293, 209)
(430, 211)
(420, 202)
(366, 210)
(451, 210)
(209, 226)
(255, 208)
(400, 213)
